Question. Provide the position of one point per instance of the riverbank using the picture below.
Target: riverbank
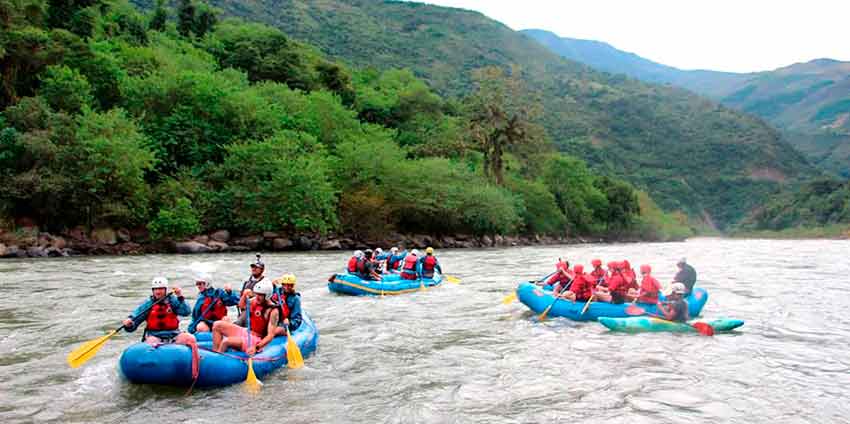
(830, 232)
(30, 242)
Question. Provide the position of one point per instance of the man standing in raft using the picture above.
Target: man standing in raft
(429, 264)
(161, 314)
(687, 275)
(211, 304)
(675, 308)
(257, 269)
(264, 319)
(408, 268)
(290, 302)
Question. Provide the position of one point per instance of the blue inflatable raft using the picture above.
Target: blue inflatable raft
(537, 299)
(171, 364)
(388, 285)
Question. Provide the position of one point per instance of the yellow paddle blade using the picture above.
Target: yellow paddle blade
(509, 299)
(252, 383)
(546, 312)
(293, 352)
(452, 279)
(87, 350)
(422, 286)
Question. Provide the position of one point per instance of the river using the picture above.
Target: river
(455, 353)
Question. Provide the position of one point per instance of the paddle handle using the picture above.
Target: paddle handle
(587, 305)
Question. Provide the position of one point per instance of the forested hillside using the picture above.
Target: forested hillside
(182, 122)
(689, 153)
(808, 102)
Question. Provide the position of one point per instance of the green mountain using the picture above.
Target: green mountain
(809, 102)
(690, 153)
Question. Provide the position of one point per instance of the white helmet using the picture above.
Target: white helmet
(677, 288)
(205, 278)
(263, 287)
(379, 250)
(394, 250)
(159, 283)
(416, 252)
(358, 254)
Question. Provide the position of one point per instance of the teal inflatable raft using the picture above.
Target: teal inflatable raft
(171, 364)
(538, 299)
(652, 324)
(389, 284)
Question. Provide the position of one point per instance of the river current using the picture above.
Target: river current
(455, 354)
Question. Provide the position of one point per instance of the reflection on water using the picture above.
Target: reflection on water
(456, 354)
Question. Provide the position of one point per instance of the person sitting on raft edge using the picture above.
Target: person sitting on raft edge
(428, 264)
(649, 286)
(211, 304)
(408, 268)
(263, 322)
(581, 288)
(675, 308)
(290, 303)
(687, 275)
(161, 314)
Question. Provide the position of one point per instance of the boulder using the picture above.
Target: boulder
(498, 240)
(222, 236)
(201, 239)
(36, 252)
(78, 233)
(53, 252)
(188, 247)
(140, 235)
(218, 246)
(3, 250)
(251, 242)
(104, 236)
(130, 248)
(332, 244)
(281, 243)
(463, 237)
(269, 235)
(58, 242)
(123, 235)
(240, 249)
(486, 241)
(449, 241)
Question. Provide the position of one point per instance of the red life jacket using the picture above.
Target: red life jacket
(583, 286)
(598, 274)
(259, 318)
(392, 262)
(428, 264)
(162, 318)
(617, 285)
(361, 265)
(284, 309)
(352, 264)
(649, 288)
(217, 312)
(409, 264)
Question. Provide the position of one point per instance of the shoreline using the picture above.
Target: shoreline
(28, 242)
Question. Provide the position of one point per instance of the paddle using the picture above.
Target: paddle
(507, 300)
(252, 383)
(701, 327)
(452, 279)
(546, 311)
(293, 353)
(87, 350)
(587, 305)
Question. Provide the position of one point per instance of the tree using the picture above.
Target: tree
(159, 17)
(65, 89)
(503, 117)
(186, 17)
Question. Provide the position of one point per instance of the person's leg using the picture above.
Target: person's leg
(152, 340)
(202, 327)
(222, 329)
(185, 339)
(569, 295)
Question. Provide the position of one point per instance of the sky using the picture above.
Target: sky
(721, 35)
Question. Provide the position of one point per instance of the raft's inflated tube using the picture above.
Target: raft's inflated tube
(389, 284)
(537, 299)
(171, 364)
(650, 324)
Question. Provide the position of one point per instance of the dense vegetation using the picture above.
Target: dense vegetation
(183, 122)
(688, 153)
(820, 203)
(808, 102)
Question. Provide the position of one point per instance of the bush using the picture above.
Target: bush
(178, 221)
(540, 212)
(65, 89)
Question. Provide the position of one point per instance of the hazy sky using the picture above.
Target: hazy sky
(723, 35)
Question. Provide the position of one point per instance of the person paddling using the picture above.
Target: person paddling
(649, 286)
(290, 302)
(211, 304)
(675, 308)
(581, 288)
(353, 262)
(395, 259)
(161, 314)
(408, 268)
(687, 275)
(562, 274)
(598, 272)
(264, 320)
(429, 264)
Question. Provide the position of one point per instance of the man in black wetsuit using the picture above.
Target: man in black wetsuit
(687, 275)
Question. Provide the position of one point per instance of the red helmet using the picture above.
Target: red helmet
(578, 268)
(596, 263)
(612, 265)
(626, 264)
(561, 265)
(645, 269)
